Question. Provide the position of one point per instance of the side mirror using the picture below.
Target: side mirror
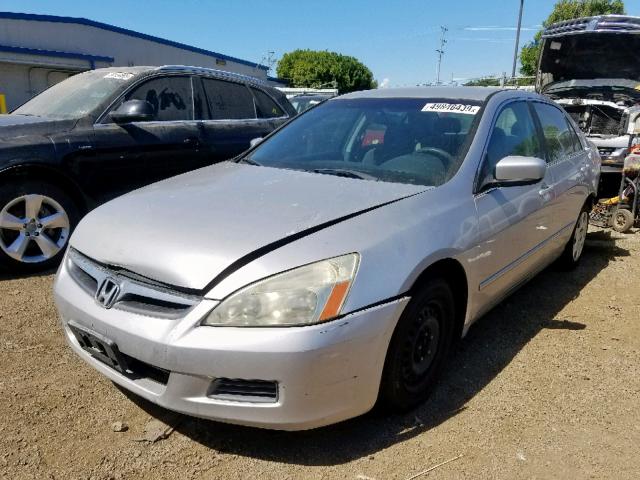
(133, 111)
(255, 141)
(520, 170)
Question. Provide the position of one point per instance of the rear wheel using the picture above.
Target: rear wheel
(36, 220)
(419, 347)
(574, 248)
(622, 220)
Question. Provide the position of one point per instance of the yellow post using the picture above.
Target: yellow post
(3, 103)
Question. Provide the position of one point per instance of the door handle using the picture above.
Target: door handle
(545, 192)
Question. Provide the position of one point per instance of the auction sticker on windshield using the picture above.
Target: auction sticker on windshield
(119, 75)
(451, 107)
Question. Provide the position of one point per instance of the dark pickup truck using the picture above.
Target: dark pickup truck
(105, 132)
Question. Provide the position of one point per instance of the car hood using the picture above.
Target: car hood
(595, 55)
(188, 230)
(13, 126)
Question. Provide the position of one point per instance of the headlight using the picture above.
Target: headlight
(302, 296)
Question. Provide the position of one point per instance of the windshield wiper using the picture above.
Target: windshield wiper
(249, 161)
(344, 172)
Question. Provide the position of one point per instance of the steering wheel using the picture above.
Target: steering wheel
(445, 157)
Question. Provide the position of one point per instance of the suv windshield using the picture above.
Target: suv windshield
(76, 96)
(405, 140)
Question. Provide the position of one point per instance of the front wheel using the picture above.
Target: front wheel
(419, 347)
(573, 250)
(36, 220)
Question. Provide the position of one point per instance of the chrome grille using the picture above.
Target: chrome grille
(135, 295)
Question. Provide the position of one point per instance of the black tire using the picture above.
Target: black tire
(569, 258)
(622, 220)
(11, 192)
(419, 347)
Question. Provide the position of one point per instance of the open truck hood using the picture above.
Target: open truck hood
(186, 230)
(591, 48)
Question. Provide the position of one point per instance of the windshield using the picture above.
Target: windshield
(76, 96)
(404, 140)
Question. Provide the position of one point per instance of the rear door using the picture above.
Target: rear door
(565, 156)
(127, 156)
(514, 221)
(227, 119)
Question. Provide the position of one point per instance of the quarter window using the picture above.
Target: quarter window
(514, 133)
(560, 140)
(170, 97)
(228, 100)
(265, 107)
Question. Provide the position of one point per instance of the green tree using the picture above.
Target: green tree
(317, 69)
(565, 10)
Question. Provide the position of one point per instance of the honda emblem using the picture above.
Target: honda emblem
(107, 293)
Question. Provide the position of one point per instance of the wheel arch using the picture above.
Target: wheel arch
(50, 175)
(454, 273)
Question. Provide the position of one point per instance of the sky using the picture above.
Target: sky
(397, 39)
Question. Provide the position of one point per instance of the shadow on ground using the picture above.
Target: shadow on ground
(17, 276)
(489, 347)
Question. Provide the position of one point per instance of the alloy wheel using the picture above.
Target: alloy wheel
(33, 228)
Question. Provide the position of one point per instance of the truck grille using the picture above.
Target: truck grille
(133, 293)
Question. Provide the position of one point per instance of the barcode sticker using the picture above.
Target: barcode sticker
(451, 107)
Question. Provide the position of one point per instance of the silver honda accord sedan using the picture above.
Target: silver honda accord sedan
(334, 264)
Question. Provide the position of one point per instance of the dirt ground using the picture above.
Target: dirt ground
(545, 386)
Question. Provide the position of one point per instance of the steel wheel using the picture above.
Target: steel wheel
(421, 346)
(580, 235)
(33, 228)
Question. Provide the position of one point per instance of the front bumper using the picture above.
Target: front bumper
(325, 373)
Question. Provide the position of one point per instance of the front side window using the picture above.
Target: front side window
(170, 97)
(265, 106)
(514, 133)
(228, 100)
(559, 139)
(402, 140)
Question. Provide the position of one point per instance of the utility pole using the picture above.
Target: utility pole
(440, 53)
(515, 53)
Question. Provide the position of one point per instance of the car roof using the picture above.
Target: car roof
(467, 93)
(138, 70)
(597, 24)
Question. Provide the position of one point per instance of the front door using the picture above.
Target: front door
(514, 221)
(131, 155)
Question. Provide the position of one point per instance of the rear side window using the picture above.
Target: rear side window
(559, 138)
(514, 133)
(170, 97)
(228, 100)
(265, 106)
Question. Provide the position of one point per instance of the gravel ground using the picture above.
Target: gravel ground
(545, 386)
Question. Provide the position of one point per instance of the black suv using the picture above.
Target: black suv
(104, 132)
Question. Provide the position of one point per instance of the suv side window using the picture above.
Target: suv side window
(228, 100)
(514, 133)
(265, 106)
(559, 139)
(170, 97)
